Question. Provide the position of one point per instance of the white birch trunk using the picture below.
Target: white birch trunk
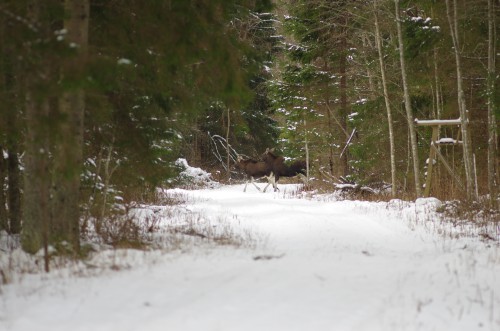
(387, 101)
(227, 144)
(464, 116)
(407, 102)
(306, 142)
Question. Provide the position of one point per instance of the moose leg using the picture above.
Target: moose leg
(275, 185)
(271, 179)
(251, 178)
(251, 181)
(265, 188)
(274, 181)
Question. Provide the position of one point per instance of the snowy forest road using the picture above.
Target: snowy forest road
(354, 266)
(310, 264)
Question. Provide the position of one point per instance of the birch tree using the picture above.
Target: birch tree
(407, 102)
(378, 41)
(464, 115)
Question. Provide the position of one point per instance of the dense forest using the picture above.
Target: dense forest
(99, 98)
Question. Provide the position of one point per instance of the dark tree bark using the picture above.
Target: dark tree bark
(10, 199)
(38, 76)
(492, 123)
(36, 180)
(68, 149)
(14, 192)
(4, 225)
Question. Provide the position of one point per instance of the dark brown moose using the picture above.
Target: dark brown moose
(277, 166)
(254, 169)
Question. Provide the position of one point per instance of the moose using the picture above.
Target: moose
(280, 169)
(272, 167)
(254, 169)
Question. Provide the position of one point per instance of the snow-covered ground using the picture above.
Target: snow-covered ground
(302, 264)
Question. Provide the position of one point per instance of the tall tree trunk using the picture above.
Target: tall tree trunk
(438, 99)
(306, 146)
(14, 179)
(378, 41)
(439, 105)
(10, 216)
(36, 172)
(36, 158)
(343, 95)
(4, 109)
(330, 137)
(407, 102)
(68, 149)
(4, 225)
(464, 115)
(13, 133)
(227, 144)
(492, 126)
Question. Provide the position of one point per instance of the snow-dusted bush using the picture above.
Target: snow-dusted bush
(193, 177)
